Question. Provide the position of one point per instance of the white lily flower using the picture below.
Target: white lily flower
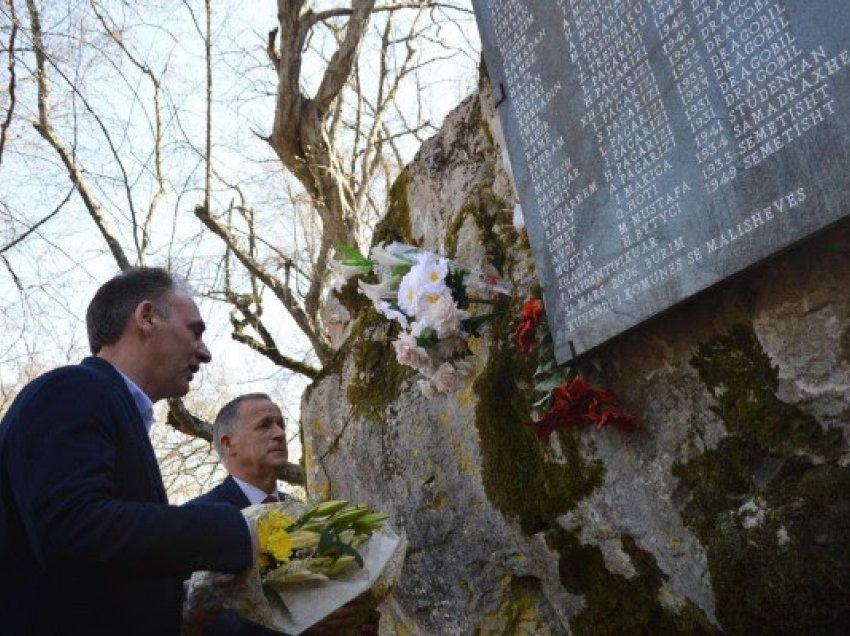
(341, 273)
(375, 293)
(383, 257)
(426, 277)
(393, 314)
(348, 271)
(409, 253)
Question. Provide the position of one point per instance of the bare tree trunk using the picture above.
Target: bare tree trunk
(298, 134)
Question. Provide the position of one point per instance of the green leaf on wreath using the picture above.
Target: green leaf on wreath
(543, 403)
(545, 367)
(549, 384)
(353, 256)
(454, 281)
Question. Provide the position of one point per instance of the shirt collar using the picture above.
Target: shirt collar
(142, 401)
(254, 494)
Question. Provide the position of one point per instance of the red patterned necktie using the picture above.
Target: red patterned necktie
(270, 499)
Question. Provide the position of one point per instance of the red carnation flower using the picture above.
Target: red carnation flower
(576, 403)
(532, 315)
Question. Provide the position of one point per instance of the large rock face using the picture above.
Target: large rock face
(727, 511)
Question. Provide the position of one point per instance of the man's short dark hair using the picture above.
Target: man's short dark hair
(227, 420)
(117, 299)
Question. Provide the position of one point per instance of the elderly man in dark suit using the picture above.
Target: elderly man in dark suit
(249, 436)
(88, 542)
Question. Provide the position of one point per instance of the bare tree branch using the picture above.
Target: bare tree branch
(38, 224)
(7, 121)
(46, 130)
(208, 132)
(281, 291)
(271, 49)
(112, 32)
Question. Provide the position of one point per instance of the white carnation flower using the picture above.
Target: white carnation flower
(448, 379)
(464, 367)
(439, 312)
(409, 353)
(452, 345)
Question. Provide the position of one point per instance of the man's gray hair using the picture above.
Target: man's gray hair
(117, 299)
(227, 420)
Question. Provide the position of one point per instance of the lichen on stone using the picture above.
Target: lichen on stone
(519, 611)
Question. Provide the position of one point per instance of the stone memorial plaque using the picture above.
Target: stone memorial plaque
(660, 146)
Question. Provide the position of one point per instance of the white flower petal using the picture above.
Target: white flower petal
(375, 293)
(382, 256)
(393, 314)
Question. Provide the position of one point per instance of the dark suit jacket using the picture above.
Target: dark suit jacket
(230, 623)
(227, 492)
(88, 544)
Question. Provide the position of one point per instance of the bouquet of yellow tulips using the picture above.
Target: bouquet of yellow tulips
(322, 543)
(312, 560)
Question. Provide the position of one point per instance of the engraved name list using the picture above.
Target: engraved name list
(660, 146)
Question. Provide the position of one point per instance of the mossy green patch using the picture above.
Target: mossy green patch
(488, 134)
(770, 502)
(350, 297)
(378, 377)
(738, 374)
(395, 226)
(488, 213)
(521, 476)
(616, 605)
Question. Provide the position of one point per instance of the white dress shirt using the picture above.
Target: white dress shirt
(142, 401)
(254, 494)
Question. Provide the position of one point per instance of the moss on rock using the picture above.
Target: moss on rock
(350, 297)
(378, 377)
(488, 213)
(519, 612)
(521, 476)
(770, 502)
(616, 605)
(395, 226)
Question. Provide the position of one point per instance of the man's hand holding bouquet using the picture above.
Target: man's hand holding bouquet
(317, 566)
